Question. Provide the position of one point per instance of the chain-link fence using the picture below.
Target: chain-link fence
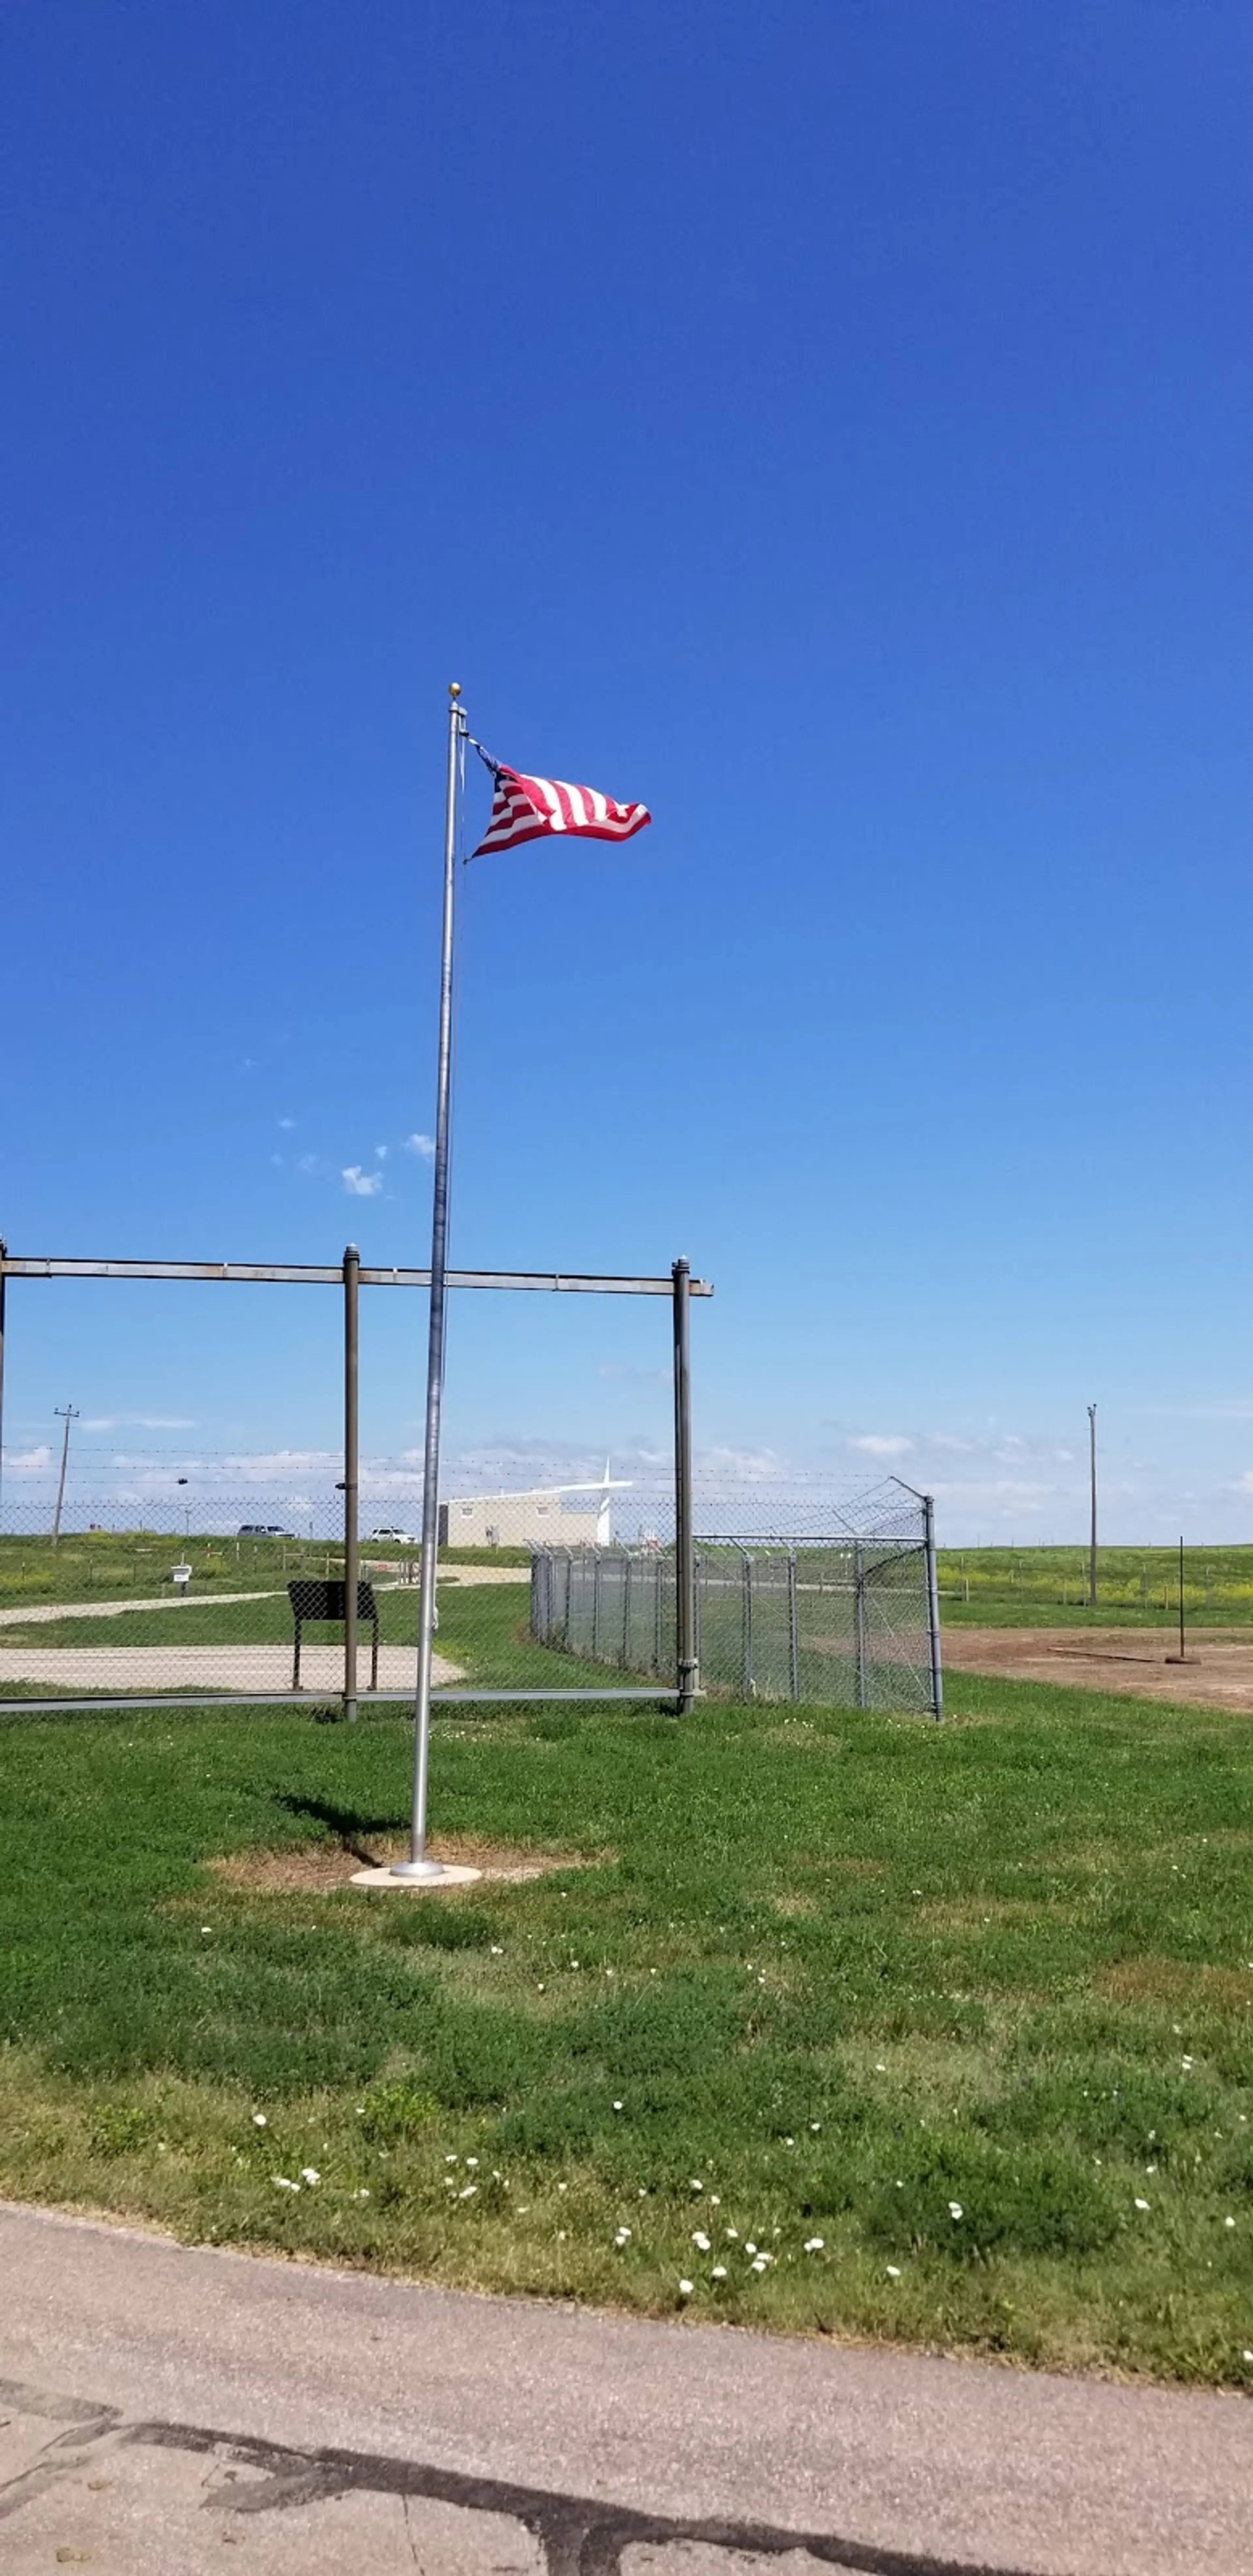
(835, 1606)
(192, 1577)
(224, 1579)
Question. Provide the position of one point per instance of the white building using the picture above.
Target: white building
(543, 1516)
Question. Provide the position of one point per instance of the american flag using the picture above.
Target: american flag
(526, 809)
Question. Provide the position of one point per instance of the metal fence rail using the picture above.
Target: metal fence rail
(842, 1619)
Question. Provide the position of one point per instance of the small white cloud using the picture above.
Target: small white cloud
(307, 1163)
(287, 1122)
(380, 1153)
(28, 1461)
(423, 1146)
(138, 1422)
(882, 1444)
(359, 1184)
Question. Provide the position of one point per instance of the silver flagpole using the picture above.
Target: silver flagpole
(418, 1866)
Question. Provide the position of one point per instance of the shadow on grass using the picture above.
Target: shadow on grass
(345, 1823)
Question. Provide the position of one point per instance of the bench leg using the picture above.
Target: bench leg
(295, 1670)
(374, 1660)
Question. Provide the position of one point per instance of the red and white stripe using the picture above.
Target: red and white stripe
(527, 809)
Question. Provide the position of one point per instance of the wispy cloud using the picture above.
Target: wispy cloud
(882, 1444)
(307, 1163)
(359, 1184)
(286, 1122)
(28, 1461)
(138, 1422)
(380, 1153)
(423, 1146)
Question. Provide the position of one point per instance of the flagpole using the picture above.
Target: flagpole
(418, 1866)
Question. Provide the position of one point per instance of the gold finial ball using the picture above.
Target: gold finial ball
(454, 688)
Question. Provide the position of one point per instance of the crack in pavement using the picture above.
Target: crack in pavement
(578, 2535)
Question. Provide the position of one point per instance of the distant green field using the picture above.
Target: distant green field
(109, 1565)
(1047, 1587)
(106, 1565)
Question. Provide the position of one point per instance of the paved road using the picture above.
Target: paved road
(161, 2401)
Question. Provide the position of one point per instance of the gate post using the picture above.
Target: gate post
(352, 1282)
(793, 1625)
(933, 1607)
(688, 1674)
(859, 1592)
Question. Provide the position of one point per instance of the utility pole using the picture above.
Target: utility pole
(1092, 1553)
(64, 1413)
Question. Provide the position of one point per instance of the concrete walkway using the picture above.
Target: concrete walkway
(46, 1612)
(150, 1670)
(161, 2400)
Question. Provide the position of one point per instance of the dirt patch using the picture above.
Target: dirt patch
(1176, 1981)
(985, 1913)
(1130, 1661)
(320, 1868)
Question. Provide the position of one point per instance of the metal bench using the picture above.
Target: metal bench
(317, 1600)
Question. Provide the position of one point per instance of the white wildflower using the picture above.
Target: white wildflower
(310, 2174)
(258, 2120)
(894, 2271)
(955, 2209)
(813, 2244)
(468, 2192)
(1141, 2204)
(686, 2288)
(701, 2241)
(719, 2272)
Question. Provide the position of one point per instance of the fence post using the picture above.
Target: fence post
(748, 1625)
(595, 1604)
(793, 1637)
(3, 1284)
(933, 1606)
(688, 1674)
(626, 1613)
(859, 1590)
(352, 1283)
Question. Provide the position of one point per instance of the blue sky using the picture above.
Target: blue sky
(828, 423)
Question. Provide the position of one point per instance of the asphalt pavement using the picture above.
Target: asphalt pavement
(159, 2402)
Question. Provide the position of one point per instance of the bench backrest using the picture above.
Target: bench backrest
(312, 1599)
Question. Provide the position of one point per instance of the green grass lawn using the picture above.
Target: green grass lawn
(951, 2025)
(1047, 1587)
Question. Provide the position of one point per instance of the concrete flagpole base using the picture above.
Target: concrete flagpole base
(417, 1874)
